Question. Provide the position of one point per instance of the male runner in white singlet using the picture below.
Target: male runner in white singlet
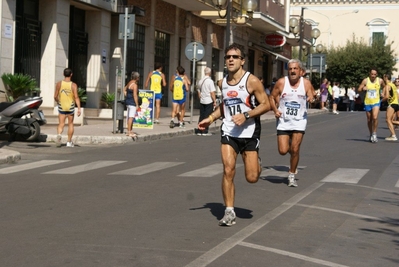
(244, 100)
(288, 101)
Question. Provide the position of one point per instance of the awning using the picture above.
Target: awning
(278, 56)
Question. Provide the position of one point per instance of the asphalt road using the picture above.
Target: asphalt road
(158, 203)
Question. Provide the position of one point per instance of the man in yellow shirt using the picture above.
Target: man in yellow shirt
(156, 79)
(372, 86)
(390, 94)
(66, 96)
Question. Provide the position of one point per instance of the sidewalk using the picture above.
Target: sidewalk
(103, 133)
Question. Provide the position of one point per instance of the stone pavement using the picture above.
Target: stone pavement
(96, 134)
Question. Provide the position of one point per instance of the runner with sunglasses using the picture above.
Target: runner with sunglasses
(244, 100)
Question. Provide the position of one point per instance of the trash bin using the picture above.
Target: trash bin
(120, 108)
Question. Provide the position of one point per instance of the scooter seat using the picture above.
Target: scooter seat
(4, 105)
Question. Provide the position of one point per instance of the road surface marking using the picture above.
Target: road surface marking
(30, 166)
(340, 211)
(278, 171)
(237, 238)
(292, 255)
(345, 175)
(144, 169)
(207, 171)
(86, 167)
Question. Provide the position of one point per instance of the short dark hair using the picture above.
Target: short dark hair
(158, 65)
(67, 72)
(236, 47)
(180, 70)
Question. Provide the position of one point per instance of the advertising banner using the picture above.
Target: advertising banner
(144, 117)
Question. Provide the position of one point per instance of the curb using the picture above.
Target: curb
(9, 156)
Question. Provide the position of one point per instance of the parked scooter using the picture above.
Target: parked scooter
(21, 119)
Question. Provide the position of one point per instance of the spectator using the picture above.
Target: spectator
(323, 93)
(206, 94)
(335, 91)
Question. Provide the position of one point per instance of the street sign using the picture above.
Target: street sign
(317, 61)
(194, 51)
(130, 26)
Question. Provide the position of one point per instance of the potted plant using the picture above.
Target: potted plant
(19, 85)
(107, 99)
(82, 96)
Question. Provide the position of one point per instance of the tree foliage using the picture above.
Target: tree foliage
(350, 64)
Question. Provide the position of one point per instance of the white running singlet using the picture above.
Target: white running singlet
(292, 107)
(236, 99)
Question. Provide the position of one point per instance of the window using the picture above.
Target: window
(378, 29)
(135, 54)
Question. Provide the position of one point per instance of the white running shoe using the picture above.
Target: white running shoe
(291, 180)
(70, 144)
(228, 219)
(391, 138)
(58, 140)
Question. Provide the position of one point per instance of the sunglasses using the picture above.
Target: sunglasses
(233, 56)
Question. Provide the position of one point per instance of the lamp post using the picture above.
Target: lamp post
(315, 33)
(245, 10)
(296, 27)
(329, 22)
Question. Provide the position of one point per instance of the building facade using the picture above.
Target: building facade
(42, 37)
(343, 20)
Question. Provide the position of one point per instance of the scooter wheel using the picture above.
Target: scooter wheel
(34, 132)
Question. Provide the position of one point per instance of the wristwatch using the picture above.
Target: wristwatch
(246, 115)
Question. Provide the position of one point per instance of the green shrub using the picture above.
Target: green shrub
(82, 96)
(19, 85)
(108, 99)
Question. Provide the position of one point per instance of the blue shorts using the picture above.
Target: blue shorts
(158, 96)
(180, 102)
(66, 112)
(368, 108)
(336, 101)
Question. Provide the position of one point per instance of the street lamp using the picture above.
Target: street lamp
(329, 22)
(243, 9)
(296, 26)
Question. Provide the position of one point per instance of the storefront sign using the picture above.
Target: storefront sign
(275, 40)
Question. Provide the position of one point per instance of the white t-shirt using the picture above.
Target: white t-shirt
(206, 86)
(351, 94)
(335, 90)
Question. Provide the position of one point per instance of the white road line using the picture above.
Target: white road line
(144, 169)
(86, 167)
(207, 171)
(274, 171)
(340, 211)
(292, 255)
(345, 175)
(30, 166)
(237, 238)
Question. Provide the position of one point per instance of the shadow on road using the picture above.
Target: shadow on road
(217, 210)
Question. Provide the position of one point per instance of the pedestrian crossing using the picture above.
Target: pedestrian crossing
(340, 175)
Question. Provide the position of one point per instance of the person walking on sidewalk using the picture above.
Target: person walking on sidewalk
(372, 86)
(288, 101)
(132, 102)
(179, 88)
(244, 101)
(323, 94)
(206, 94)
(156, 80)
(66, 96)
(335, 96)
(390, 94)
